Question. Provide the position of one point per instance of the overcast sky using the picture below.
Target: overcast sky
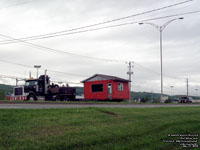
(133, 42)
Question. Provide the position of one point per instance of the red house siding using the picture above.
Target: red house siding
(116, 94)
(120, 94)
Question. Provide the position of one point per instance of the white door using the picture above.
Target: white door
(109, 90)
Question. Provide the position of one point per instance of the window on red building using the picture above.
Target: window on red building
(120, 86)
(97, 87)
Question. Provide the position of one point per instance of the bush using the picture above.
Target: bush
(168, 101)
(2, 95)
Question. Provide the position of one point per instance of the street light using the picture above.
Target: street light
(160, 29)
(171, 89)
(37, 67)
(196, 92)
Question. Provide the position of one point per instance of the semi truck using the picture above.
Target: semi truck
(41, 88)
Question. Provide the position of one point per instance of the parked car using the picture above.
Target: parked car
(175, 100)
(185, 99)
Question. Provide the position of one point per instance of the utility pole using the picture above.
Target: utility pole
(130, 73)
(152, 96)
(187, 86)
(45, 82)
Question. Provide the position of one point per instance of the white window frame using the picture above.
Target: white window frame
(120, 86)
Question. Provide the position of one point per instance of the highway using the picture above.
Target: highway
(86, 105)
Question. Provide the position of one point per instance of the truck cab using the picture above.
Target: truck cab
(36, 87)
(185, 99)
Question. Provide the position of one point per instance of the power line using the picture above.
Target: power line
(150, 70)
(62, 52)
(80, 75)
(18, 64)
(19, 40)
(146, 88)
(21, 78)
(29, 66)
(17, 4)
(105, 22)
(11, 77)
(59, 51)
(182, 8)
(66, 82)
(72, 74)
(95, 29)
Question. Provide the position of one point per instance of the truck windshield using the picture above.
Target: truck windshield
(31, 83)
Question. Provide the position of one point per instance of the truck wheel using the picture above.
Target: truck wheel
(57, 98)
(72, 98)
(65, 98)
(32, 98)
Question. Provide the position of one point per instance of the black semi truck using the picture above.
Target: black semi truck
(35, 89)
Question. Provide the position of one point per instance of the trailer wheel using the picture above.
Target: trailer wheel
(32, 98)
(57, 98)
(65, 98)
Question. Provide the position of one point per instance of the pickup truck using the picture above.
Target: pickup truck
(185, 99)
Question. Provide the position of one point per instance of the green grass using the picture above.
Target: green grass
(95, 128)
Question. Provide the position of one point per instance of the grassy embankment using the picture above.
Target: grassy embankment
(95, 128)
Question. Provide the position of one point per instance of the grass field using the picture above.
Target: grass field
(96, 128)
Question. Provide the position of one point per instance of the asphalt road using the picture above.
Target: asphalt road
(46, 106)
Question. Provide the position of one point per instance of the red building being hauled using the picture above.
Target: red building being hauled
(104, 87)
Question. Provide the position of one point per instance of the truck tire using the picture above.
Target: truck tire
(57, 98)
(65, 98)
(32, 98)
(73, 98)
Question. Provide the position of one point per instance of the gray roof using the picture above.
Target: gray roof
(105, 77)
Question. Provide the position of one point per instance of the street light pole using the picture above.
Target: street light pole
(161, 65)
(160, 29)
(37, 67)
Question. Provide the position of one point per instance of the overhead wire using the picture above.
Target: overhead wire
(193, 5)
(144, 88)
(50, 70)
(58, 51)
(110, 21)
(155, 72)
(96, 29)
(69, 82)
(18, 40)
(68, 53)
(17, 4)
(72, 74)
(76, 54)
(21, 78)
(11, 77)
